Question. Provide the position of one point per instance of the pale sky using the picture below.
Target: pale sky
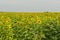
(29, 5)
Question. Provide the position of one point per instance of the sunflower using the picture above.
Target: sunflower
(9, 26)
(2, 17)
(7, 20)
(39, 21)
(50, 17)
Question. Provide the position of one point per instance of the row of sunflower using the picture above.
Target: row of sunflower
(30, 27)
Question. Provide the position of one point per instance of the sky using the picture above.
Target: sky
(29, 5)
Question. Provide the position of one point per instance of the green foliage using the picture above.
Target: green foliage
(23, 28)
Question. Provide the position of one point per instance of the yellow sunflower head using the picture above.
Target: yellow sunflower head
(9, 26)
(38, 21)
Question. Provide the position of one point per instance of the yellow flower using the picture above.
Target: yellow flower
(39, 21)
(2, 17)
(50, 17)
(7, 19)
(9, 26)
(37, 17)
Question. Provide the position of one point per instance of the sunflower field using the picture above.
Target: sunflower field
(29, 26)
